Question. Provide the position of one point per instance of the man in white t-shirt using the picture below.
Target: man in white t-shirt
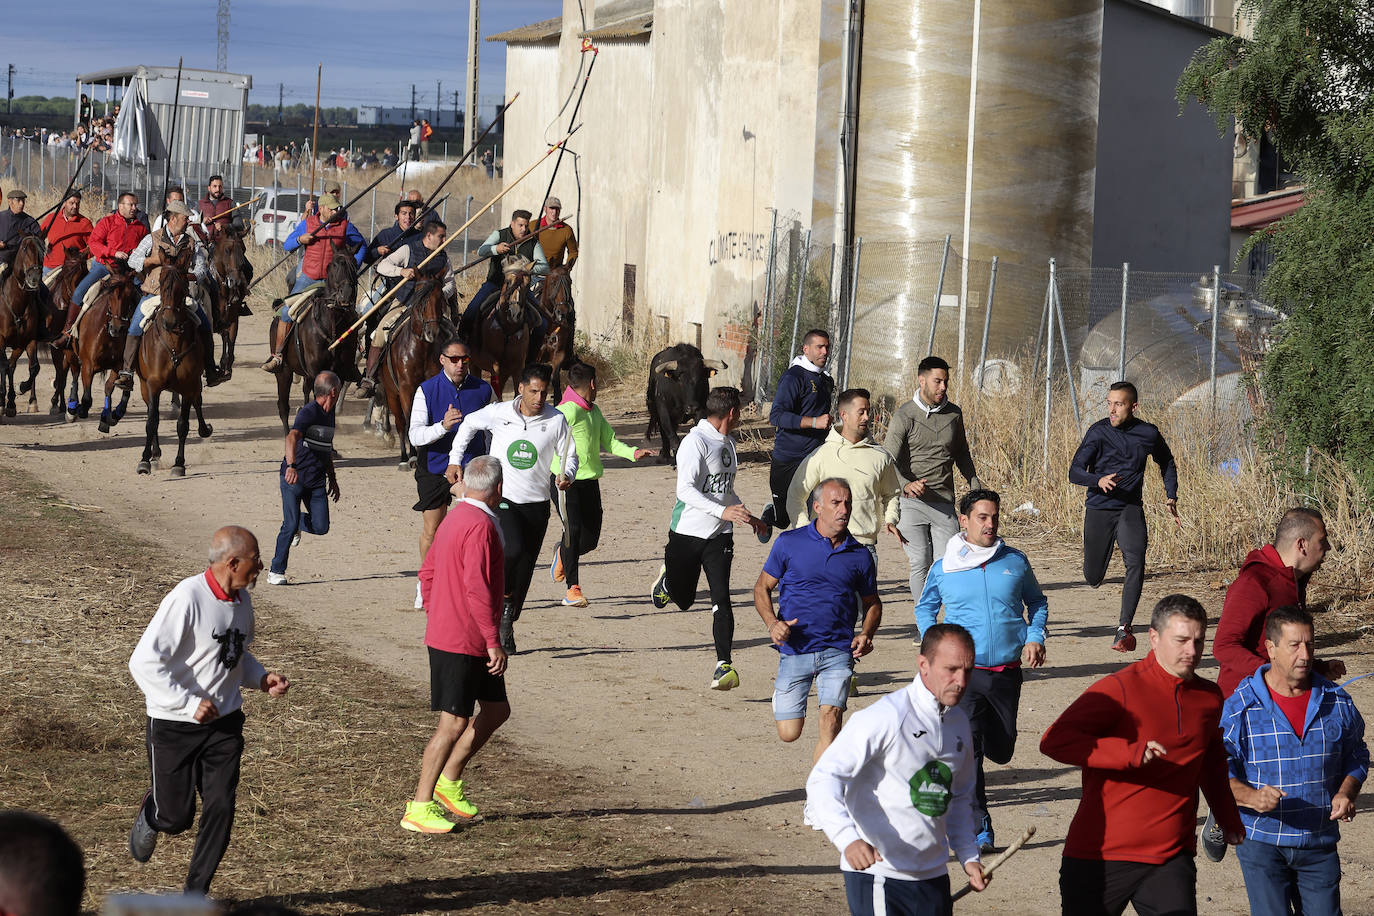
(191, 665)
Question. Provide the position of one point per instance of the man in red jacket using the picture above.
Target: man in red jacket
(68, 228)
(114, 238)
(462, 583)
(1147, 738)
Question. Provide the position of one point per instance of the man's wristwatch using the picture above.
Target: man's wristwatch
(291, 464)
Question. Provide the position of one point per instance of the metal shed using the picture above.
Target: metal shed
(209, 123)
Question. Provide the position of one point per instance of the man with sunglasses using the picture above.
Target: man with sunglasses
(437, 411)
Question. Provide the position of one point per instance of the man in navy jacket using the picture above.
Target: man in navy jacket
(801, 415)
(1110, 462)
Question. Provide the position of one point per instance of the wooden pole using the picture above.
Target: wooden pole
(315, 137)
(459, 231)
(172, 136)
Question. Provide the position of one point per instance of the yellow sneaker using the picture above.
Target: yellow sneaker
(575, 598)
(449, 793)
(426, 817)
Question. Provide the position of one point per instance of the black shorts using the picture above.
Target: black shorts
(457, 682)
(434, 490)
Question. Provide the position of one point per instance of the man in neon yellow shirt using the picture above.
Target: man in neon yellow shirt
(580, 505)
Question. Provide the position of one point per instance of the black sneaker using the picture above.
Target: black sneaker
(768, 515)
(1213, 839)
(1124, 640)
(142, 837)
(507, 632)
(658, 593)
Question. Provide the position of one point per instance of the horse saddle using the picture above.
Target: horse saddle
(386, 326)
(51, 279)
(150, 304)
(295, 304)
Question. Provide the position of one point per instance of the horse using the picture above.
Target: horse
(101, 346)
(555, 301)
(71, 272)
(21, 305)
(170, 359)
(230, 269)
(412, 355)
(501, 339)
(327, 314)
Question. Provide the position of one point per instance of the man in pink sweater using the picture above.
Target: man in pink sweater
(462, 582)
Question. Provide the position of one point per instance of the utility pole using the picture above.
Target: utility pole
(438, 95)
(455, 108)
(281, 94)
(9, 99)
(222, 55)
(412, 101)
(470, 78)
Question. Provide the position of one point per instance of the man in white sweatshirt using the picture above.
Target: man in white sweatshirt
(191, 664)
(526, 435)
(700, 535)
(894, 791)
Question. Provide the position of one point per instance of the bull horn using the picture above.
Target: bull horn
(715, 364)
(668, 366)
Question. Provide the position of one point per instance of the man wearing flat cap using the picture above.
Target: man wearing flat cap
(14, 225)
(319, 234)
(555, 236)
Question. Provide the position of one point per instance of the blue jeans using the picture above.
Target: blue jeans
(136, 326)
(485, 290)
(302, 283)
(98, 273)
(315, 520)
(1288, 879)
(829, 669)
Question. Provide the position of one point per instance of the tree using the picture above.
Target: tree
(1306, 78)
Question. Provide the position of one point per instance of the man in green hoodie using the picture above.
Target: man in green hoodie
(580, 505)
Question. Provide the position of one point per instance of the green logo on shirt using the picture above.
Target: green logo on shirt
(930, 789)
(522, 455)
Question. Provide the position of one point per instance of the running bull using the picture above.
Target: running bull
(678, 383)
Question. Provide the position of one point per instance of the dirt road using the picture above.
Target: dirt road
(619, 689)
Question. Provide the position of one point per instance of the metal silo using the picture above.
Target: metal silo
(1026, 193)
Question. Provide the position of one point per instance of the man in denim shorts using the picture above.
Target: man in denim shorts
(820, 568)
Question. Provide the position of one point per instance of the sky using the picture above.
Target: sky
(372, 52)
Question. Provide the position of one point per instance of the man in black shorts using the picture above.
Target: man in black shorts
(436, 413)
(462, 582)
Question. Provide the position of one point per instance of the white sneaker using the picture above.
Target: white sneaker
(419, 600)
(276, 579)
(296, 539)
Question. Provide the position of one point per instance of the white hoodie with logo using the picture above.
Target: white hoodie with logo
(706, 465)
(525, 445)
(900, 776)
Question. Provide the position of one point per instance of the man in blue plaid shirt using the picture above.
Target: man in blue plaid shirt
(1298, 758)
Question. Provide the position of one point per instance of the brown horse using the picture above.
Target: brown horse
(169, 359)
(230, 270)
(54, 312)
(100, 346)
(501, 342)
(412, 355)
(327, 314)
(555, 301)
(21, 312)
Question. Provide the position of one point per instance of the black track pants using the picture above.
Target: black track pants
(686, 557)
(523, 526)
(1104, 529)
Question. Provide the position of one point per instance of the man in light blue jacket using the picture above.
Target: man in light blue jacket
(989, 589)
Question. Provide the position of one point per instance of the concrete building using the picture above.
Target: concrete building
(702, 120)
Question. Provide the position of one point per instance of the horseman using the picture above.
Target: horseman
(67, 230)
(155, 251)
(555, 236)
(196, 225)
(113, 239)
(14, 225)
(404, 264)
(319, 234)
(386, 241)
(214, 206)
(515, 238)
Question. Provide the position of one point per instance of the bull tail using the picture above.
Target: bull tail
(650, 400)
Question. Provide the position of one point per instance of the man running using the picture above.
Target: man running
(988, 588)
(307, 473)
(462, 581)
(927, 439)
(801, 415)
(439, 406)
(580, 505)
(1110, 462)
(894, 792)
(526, 435)
(192, 665)
(820, 568)
(700, 535)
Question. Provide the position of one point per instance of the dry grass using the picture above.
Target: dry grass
(326, 770)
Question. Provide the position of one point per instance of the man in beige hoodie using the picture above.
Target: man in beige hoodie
(927, 439)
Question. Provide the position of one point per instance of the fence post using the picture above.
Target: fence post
(939, 291)
(1216, 313)
(801, 284)
(372, 217)
(765, 344)
(42, 166)
(983, 348)
(1049, 369)
(467, 217)
(1068, 360)
(853, 307)
(276, 236)
(1121, 351)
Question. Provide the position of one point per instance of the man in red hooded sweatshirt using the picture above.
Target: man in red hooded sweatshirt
(1147, 739)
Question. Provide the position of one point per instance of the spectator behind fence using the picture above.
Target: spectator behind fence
(41, 868)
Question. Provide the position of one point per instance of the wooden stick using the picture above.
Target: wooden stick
(237, 207)
(992, 866)
(315, 137)
(172, 136)
(452, 238)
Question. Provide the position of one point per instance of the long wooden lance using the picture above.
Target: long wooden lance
(429, 204)
(487, 257)
(290, 254)
(247, 203)
(315, 137)
(172, 137)
(61, 200)
(596, 52)
(456, 233)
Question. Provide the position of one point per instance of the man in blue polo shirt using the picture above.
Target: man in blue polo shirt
(820, 568)
(436, 413)
(990, 590)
